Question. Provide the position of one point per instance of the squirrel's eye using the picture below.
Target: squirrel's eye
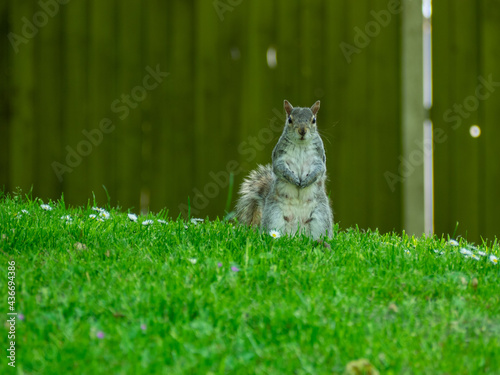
(289, 120)
(314, 120)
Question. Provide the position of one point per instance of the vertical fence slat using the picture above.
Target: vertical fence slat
(384, 126)
(466, 152)
(333, 124)
(443, 98)
(253, 68)
(101, 94)
(23, 157)
(128, 121)
(352, 194)
(257, 82)
(206, 103)
(289, 60)
(234, 49)
(490, 118)
(74, 99)
(456, 153)
(161, 113)
(4, 97)
(311, 46)
(48, 69)
(412, 118)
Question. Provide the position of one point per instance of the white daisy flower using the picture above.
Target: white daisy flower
(438, 252)
(465, 251)
(482, 253)
(95, 217)
(407, 251)
(192, 260)
(161, 221)
(275, 234)
(104, 214)
(67, 218)
(46, 207)
(453, 242)
(474, 256)
(493, 259)
(195, 220)
(25, 211)
(147, 222)
(132, 217)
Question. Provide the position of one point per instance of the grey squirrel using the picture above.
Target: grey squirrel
(289, 196)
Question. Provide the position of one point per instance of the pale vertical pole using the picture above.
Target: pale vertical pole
(428, 127)
(413, 116)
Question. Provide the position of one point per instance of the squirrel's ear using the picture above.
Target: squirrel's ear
(288, 107)
(315, 108)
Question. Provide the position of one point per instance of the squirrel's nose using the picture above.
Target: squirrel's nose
(302, 131)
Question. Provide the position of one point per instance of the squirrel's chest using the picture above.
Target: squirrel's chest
(300, 160)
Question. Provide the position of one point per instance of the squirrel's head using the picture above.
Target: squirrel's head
(301, 122)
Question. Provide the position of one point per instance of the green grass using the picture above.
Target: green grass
(215, 298)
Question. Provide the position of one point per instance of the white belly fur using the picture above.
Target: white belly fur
(297, 206)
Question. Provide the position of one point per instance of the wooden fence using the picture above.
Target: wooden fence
(160, 100)
(466, 54)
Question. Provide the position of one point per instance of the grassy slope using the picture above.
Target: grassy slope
(292, 308)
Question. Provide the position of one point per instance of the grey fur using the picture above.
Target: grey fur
(253, 191)
(290, 196)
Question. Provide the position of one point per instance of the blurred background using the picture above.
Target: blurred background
(161, 101)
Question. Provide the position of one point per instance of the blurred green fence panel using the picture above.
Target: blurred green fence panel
(162, 100)
(4, 95)
(466, 114)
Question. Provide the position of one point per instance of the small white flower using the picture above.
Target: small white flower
(147, 222)
(67, 218)
(474, 256)
(195, 220)
(104, 214)
(132, 217)
(192, 260)
(453, 242)
(408, 252)
(161, 221)
(493, 259)
(95, 217)
(465, 251)
(24, 211)
(438, 252)
(275, 234)
(46, 207)
(482, 253)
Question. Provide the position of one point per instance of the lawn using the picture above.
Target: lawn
(98, 291)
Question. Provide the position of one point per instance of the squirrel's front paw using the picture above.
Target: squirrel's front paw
(296, 182)
(293, 179)
(305, 182)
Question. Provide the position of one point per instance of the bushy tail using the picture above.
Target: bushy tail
(253, 191)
